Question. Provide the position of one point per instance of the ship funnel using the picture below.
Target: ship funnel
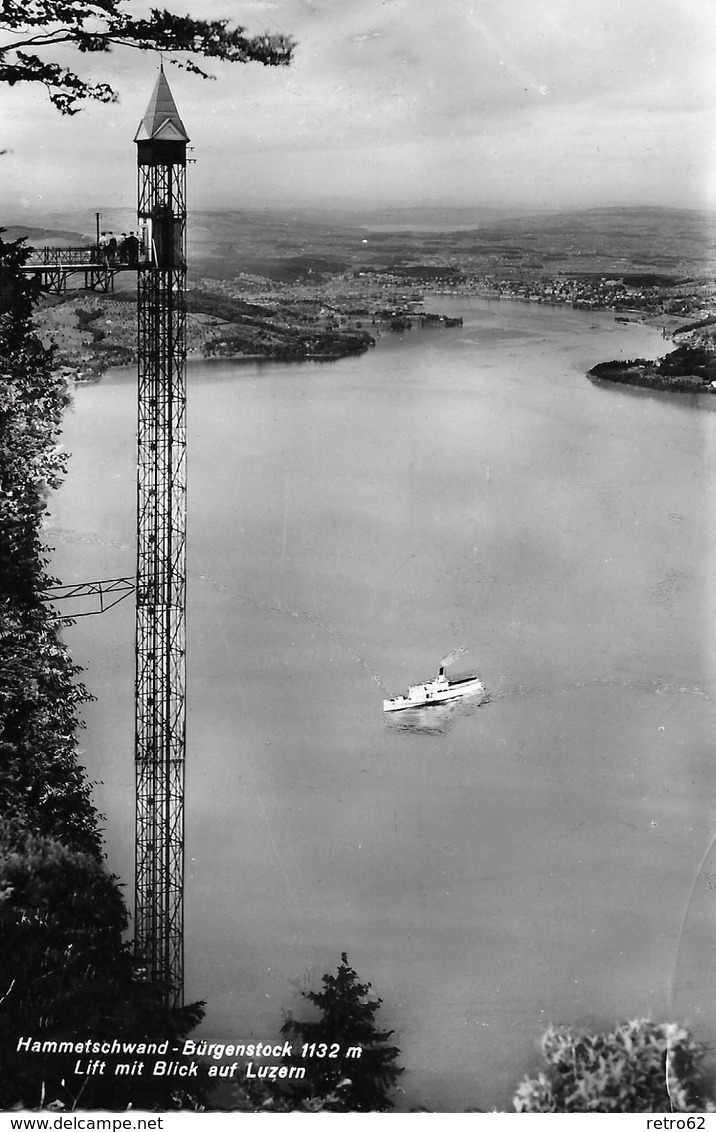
(452, 657)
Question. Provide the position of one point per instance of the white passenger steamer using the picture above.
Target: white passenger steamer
(437, 691)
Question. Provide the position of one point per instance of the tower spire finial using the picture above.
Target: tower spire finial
(161, 121)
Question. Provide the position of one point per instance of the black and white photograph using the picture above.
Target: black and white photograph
(357, 559)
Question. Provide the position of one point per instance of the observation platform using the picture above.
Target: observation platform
(90, 268)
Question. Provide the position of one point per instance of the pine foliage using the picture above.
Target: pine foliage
(346, 1082)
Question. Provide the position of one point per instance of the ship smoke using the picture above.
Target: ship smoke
(452, 656)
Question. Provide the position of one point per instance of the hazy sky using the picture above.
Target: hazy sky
(545, 103)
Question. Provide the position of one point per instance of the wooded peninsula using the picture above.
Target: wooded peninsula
(688, 369)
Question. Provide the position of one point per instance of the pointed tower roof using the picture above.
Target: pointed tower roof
(161, 121)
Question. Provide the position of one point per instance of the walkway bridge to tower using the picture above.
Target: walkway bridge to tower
(90, 267)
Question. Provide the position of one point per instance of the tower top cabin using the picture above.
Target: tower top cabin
(161, 138)
(161, 198)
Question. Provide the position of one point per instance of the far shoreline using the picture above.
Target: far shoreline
(193, 358)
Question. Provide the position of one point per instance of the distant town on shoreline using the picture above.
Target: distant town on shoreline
(300, 285)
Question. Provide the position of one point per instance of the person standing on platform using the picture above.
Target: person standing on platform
(131, 246)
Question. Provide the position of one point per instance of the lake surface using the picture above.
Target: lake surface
(545, 858)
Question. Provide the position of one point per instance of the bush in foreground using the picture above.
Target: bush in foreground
(642, 1066)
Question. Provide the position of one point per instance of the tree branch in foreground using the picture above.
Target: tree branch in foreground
(101, 25)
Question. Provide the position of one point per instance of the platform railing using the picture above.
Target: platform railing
(87, 256)
(71, 257)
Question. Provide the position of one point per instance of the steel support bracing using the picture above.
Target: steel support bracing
(161, 575)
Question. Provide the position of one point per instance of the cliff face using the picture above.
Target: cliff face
(65, 970)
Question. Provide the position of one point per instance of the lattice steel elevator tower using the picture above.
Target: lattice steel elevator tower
(161, 543)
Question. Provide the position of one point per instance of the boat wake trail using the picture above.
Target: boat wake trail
(658, 686)
(301, 614)
(510, 691)
(61, 535)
